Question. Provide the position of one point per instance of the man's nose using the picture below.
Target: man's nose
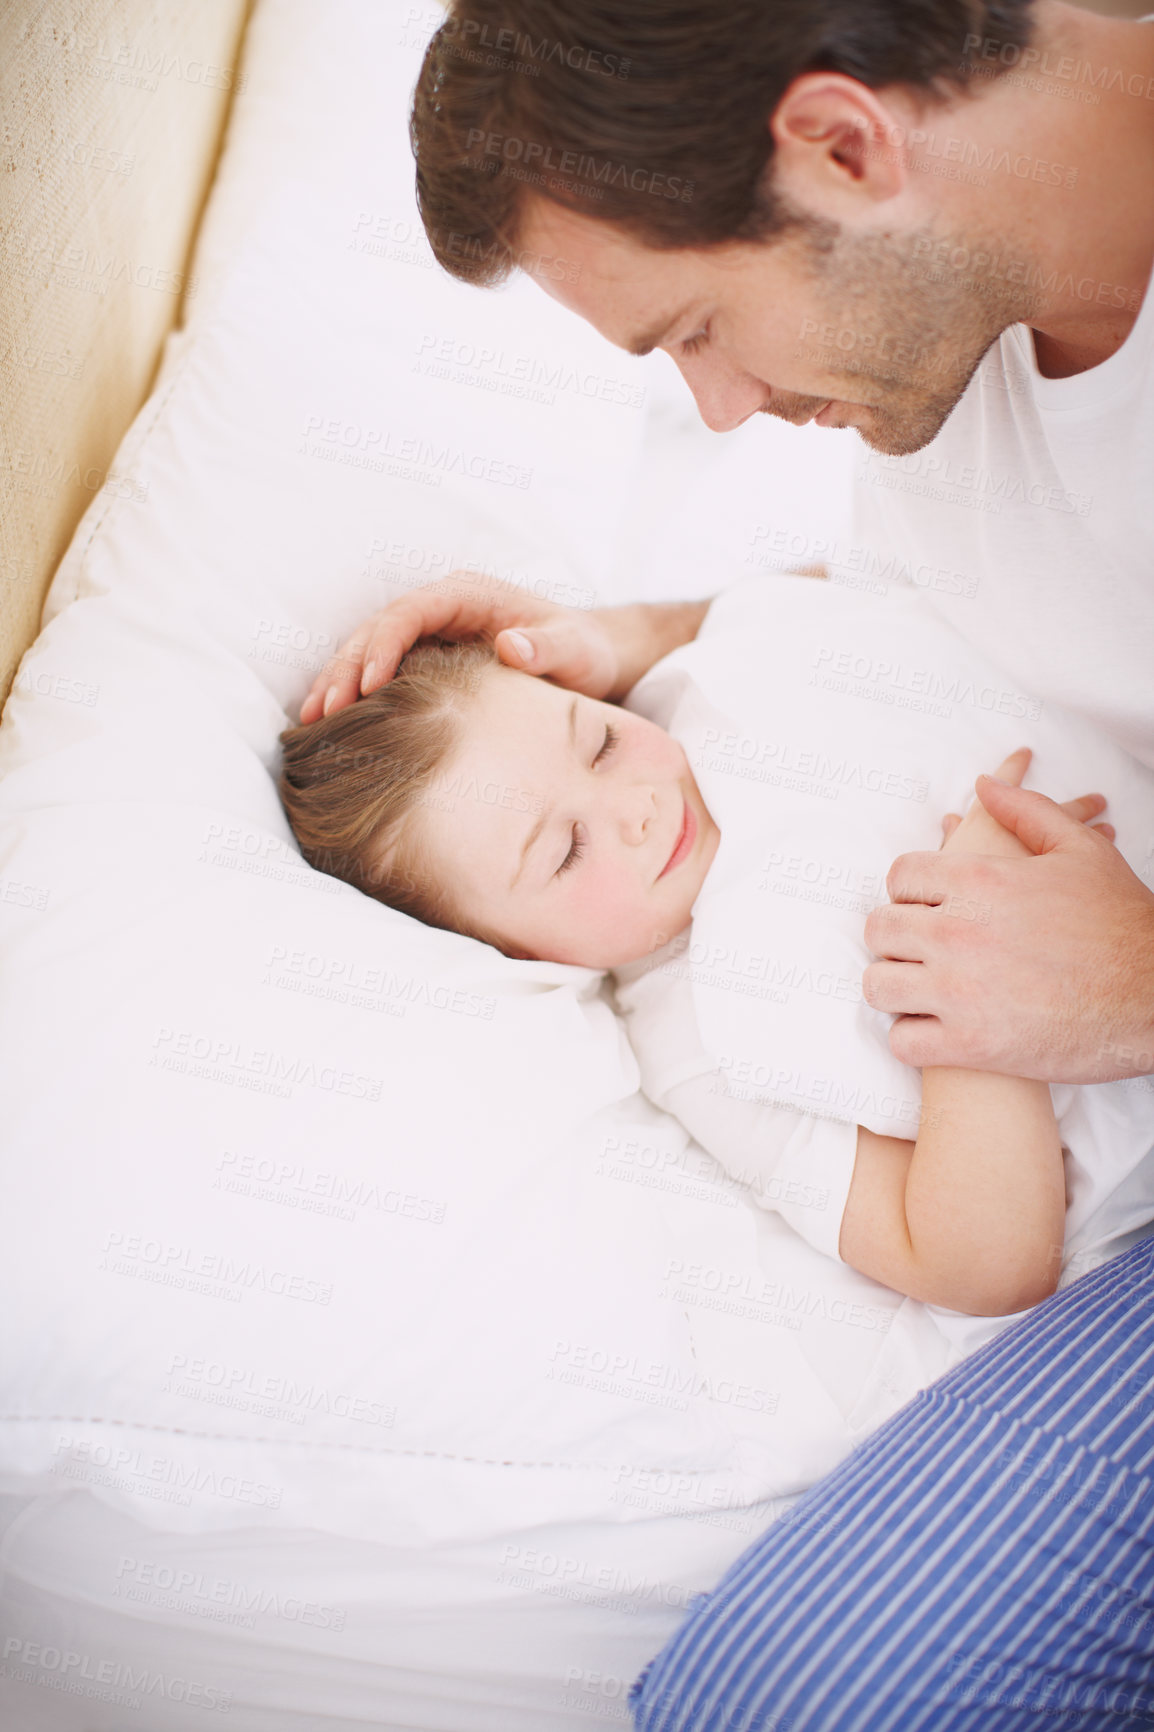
(725, 395)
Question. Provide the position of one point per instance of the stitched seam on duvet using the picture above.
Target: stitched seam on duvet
(358, 1448)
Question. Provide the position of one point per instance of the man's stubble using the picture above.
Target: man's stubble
(928, 327)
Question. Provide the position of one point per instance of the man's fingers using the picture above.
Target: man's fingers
(339, 681)
(901, 931)
(336, 685)
(899, 988)
(1032, 817)
(373, 653)
(924, 877)
(920, 1041)
(459, 610)
(464, 604)
(1013, 768)
(313, 707)
(920, 1038)
(519, 648)
(569, 650)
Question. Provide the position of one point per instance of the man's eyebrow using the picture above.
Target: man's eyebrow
(548, 812)
(654, 337)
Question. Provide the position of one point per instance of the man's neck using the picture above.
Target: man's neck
(1087, 221)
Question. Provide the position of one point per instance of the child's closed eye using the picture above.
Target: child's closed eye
(577, 850)
(574, 854)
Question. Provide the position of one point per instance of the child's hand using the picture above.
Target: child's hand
(979, 833)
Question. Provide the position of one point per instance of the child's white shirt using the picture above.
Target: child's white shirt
(795, 1163)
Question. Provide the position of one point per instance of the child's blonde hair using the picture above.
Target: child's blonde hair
(352, 783)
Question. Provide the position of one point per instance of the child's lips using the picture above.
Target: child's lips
(685, 840)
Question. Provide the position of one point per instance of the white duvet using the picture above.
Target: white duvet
(829, 734)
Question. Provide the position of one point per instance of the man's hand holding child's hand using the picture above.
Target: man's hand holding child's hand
(1005, 951)
(979, 832)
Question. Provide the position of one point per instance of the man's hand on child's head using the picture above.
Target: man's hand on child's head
(574, 647)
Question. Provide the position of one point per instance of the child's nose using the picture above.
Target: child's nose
(638, 807)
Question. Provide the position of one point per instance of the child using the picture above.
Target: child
(556, 826)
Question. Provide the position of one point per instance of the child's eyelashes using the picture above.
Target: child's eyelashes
(577, 849)
(690, 345)
(575, 852)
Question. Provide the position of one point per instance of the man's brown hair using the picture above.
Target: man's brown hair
(652, 114)
(352, 783)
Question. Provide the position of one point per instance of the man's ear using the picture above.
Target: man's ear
(837, 144)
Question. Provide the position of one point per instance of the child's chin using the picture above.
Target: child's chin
(644, 947)
(585, 961)
(621, 958)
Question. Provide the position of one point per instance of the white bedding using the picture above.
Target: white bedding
(351, 1266)
(326, 1231)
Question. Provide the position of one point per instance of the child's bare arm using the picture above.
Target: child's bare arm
(972, 1214)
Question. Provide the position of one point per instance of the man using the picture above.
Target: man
(935, 225)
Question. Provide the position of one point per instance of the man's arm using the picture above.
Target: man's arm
(602, 652)
(1038, 967)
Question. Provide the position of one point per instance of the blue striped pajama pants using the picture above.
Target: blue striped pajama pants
(983, 1563)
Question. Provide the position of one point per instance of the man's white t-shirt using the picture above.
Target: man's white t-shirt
(1029, 523)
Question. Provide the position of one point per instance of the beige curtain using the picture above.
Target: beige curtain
(112, 115)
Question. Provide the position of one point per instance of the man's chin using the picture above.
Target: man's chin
(899, 436)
